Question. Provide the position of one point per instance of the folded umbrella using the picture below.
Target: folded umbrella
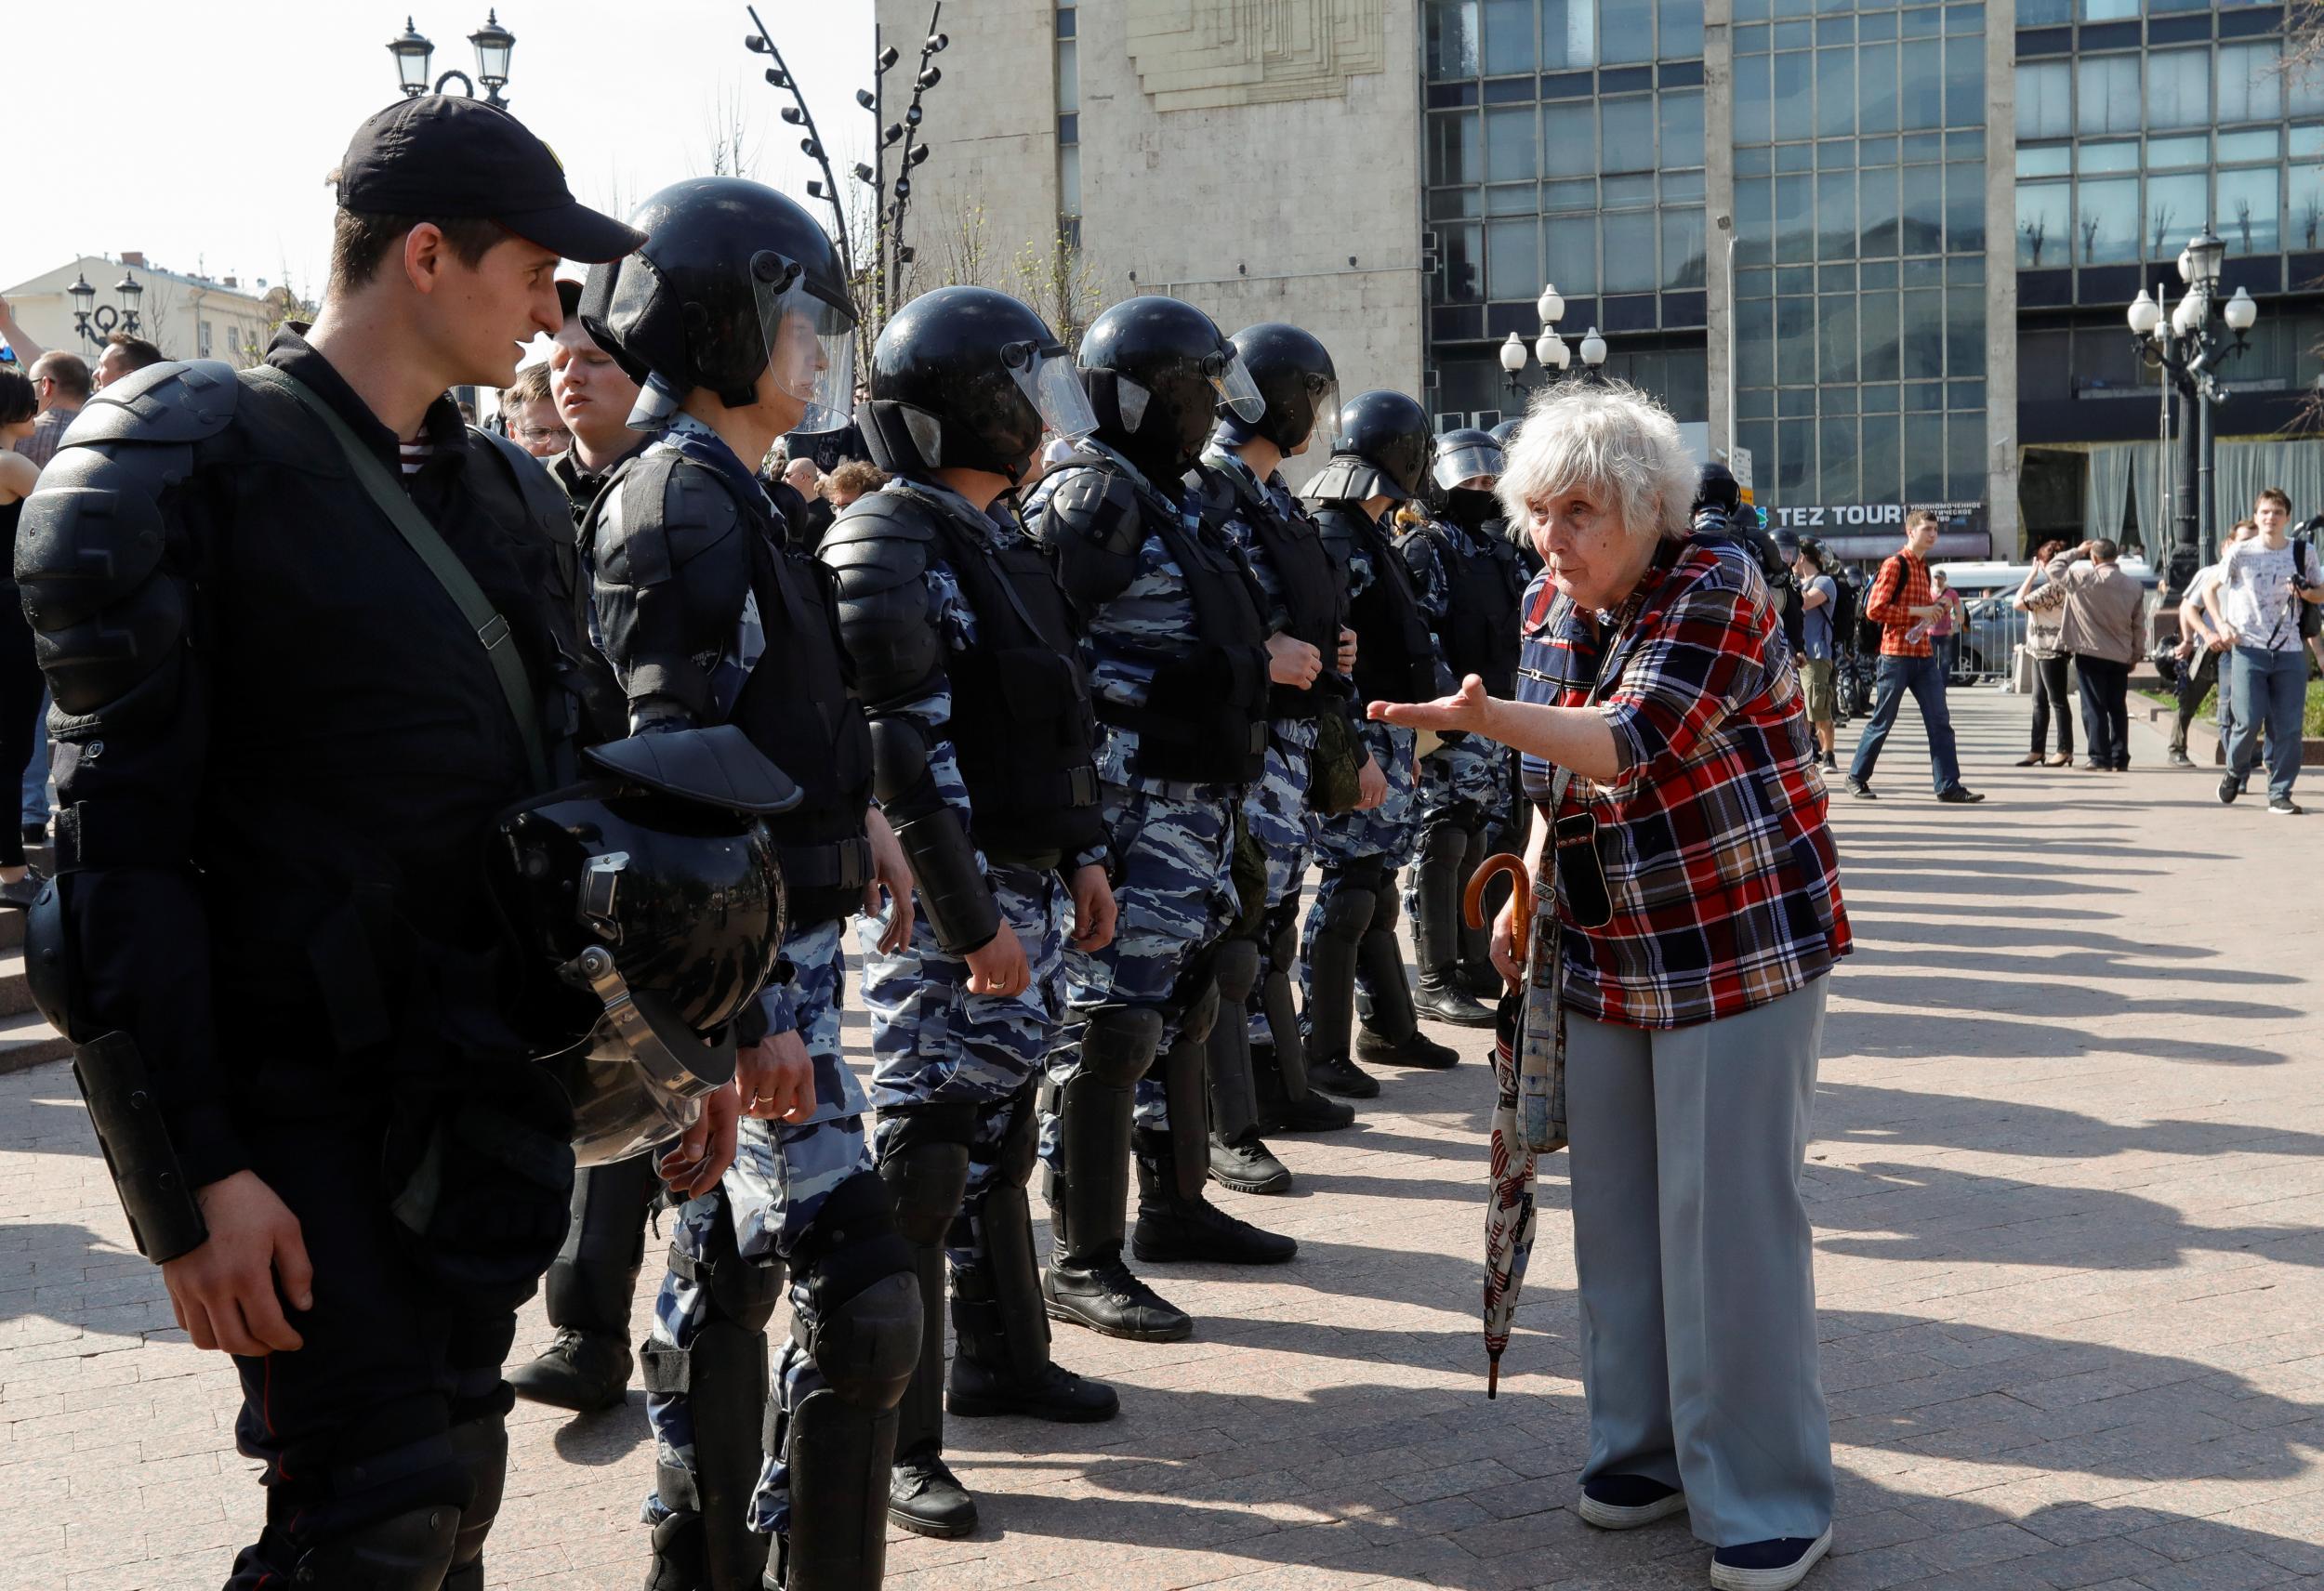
(1528, 1112)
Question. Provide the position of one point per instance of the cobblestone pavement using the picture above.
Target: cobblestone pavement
(2068, 1197)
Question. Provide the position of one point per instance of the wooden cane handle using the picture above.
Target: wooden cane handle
(1521, 892)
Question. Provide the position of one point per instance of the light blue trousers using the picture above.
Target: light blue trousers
(1697, 1264)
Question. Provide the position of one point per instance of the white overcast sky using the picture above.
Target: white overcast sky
(200, 133)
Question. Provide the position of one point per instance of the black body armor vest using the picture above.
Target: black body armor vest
(1022, 728)
(1484, 592)
(800, 708)
(1314, 588)
(1396, 658)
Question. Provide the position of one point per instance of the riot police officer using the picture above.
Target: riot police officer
(1378, 460)
(1179, 663)
(734, 316)
(1470, 583)
(353, 1191)
(1258, 1069)
(981, 749)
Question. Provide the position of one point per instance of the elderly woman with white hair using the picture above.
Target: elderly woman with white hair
(1684, 948)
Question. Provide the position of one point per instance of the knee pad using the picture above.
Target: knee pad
(924, 1162)
(740, 1292)
(1118, 1045)
(1202, 1013)
(1442, 843)
(410, 1551)
(1349, 912)
(1387, 912)
(1235, 968)
(866, 1348)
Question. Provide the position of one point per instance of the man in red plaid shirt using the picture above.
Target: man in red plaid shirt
(1900, 603)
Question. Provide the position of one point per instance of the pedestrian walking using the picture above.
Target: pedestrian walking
(2263, 584)
(1819, 600)
(2100, 623)
(2204, 657)
(2042, 600)
(1665, 737)
(1901, 605)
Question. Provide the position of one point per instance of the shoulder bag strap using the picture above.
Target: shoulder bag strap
(389, 498)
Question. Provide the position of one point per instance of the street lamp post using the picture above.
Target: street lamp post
(96, 321)
(1549, 348)
(2189, 342)
(492, 44)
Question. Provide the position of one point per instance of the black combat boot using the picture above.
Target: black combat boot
(1176, 1225)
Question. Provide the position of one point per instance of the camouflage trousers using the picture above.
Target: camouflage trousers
(1174, 892)
(1275, 810)
(933, 1042)
(1385, 834)
(1468, 780)
(782, 1174)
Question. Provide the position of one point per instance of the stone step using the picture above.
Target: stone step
(28, 1039)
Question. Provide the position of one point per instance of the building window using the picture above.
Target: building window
(202, 339)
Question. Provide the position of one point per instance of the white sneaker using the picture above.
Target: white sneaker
(1772, 1577)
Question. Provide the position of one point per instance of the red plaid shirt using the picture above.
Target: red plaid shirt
(1901, 586)
(1724, 881)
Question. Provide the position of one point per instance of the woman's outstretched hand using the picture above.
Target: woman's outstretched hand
(1463, 711)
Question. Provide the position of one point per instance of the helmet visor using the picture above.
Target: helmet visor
(1470, 461)
(1238, 394)
(809, 343)
(1324, 431)
(1051, 383)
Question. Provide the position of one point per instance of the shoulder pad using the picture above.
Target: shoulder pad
(659, 511)
(188, 401)
(1338, 521)
(544, 499)
(1093, 505)
(1347, 479)
(879, 542)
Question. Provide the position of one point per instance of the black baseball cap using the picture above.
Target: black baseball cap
(439, 155)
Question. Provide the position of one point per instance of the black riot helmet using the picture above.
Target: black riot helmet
(968, 378)
(1157, 369)
(732, 277)
(1716, 487)
(1462, 455)
(1382, 450)
(1295, 378)
(652, 899)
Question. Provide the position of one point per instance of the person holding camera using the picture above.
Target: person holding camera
(1686, 928)
(2267, 589)
(2042, 600)
(2104, 609)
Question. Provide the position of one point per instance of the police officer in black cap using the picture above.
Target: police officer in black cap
(734, 316)
(295, 685)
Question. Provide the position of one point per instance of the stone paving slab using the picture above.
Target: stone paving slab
(2068, 1196)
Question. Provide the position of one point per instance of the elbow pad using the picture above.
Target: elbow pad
(946, 875)
(1093, 527)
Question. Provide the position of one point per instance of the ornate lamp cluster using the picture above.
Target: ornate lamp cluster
(1550, 348)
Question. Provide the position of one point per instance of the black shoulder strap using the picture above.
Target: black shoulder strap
(389, 498)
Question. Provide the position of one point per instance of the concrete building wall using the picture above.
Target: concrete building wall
(185, 317)
(1261, 162)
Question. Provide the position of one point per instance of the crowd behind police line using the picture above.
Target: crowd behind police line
(1057, 747)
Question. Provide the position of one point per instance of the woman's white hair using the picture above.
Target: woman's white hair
(1610, 440)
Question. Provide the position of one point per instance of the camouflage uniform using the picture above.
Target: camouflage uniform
(1173, 842)
(1388, 830)
(1466, 779)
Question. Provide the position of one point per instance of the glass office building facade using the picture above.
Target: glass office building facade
(1566, 142)
(1938, 213)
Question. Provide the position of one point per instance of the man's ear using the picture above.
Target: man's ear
(425, 256)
